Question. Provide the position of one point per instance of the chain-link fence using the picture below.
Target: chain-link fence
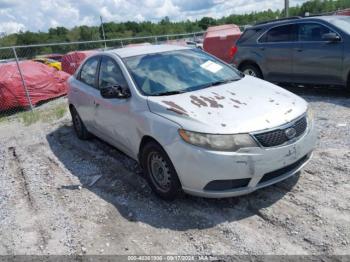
(34, 74)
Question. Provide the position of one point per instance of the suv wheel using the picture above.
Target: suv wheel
(251, 70)
(79, 126)
(160, 172)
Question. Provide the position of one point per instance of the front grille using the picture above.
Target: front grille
(278, 137)
(283, 171)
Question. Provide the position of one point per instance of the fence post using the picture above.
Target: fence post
(121, 42)
(155, 40)
(22, 78)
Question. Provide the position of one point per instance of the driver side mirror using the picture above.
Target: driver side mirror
(331, 37)
(115, 91)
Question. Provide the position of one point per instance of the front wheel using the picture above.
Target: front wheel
(160, 172)
(252, 70)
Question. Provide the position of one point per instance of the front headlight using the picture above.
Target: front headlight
(218, 142)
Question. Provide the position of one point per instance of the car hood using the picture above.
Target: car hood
(247, 105)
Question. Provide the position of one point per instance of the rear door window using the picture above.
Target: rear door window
(312, 32)
(89, 71)
(284, 33)
(248, 35)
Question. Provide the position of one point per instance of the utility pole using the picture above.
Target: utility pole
(103, 31)
(286, 8)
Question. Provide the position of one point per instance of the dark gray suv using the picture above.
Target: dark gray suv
(312, 50)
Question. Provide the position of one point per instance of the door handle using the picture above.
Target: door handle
(298, 49)
(96, 104)
(262, 48)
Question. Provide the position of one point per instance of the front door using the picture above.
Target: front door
(113, 115)
(317, 61)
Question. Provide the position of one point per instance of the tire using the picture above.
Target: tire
(160, 172)
(252, 70)
(79, 127)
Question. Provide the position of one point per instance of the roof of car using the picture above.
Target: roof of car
(296, 19)
(145, 49)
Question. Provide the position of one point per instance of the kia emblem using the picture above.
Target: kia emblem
(290, 133)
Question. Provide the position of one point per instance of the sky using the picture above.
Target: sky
(39, 15)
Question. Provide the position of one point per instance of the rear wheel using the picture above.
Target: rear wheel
(252, 70)
(160, 172)
(79, 126)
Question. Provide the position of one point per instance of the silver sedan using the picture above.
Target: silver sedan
(194, 123)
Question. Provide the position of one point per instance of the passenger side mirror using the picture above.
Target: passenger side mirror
(331, 37)
(115, 91)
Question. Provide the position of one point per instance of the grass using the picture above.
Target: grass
(3, 119)
(44, 115)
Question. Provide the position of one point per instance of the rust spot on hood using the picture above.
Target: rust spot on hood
(289, 111)
(217, 96)
(238, 102)
(175, 108)
(197, 101)
(223, 125)
(212, 102)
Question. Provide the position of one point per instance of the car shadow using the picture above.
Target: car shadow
(337, 96)
(118, 179)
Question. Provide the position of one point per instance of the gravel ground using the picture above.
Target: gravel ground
(49, 203)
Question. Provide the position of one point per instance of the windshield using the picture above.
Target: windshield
(343, 23)
(178, 71)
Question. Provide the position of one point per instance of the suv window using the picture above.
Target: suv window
(247, 35)
(284, 33)
(88, 71)
(110, 73)
(312, 32)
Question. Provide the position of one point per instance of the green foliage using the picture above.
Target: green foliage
(165, 26)
(48, 115)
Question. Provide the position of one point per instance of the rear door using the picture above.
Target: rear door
(85, 90)
(275, 47)
(317, 61)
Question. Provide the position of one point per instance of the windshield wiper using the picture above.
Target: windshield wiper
(168, 93)
(221, 82)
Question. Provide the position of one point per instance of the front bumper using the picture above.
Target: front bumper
(196, 167)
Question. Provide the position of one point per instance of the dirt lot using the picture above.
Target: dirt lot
(49, 203)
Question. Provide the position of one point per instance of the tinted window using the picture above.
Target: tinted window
(178, 71)
(88, 71)
(248, 35)
(285, 33)
(312, 32)
(110, 74)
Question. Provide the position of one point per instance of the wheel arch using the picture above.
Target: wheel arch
(248, 62)
(72, 107)
(144, 140)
